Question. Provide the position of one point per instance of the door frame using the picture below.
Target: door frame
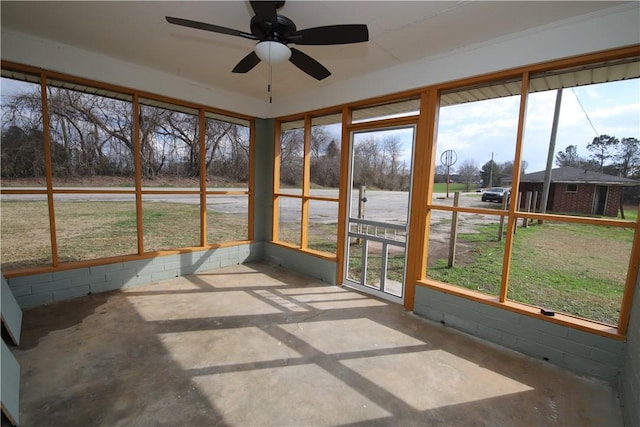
(370, 127)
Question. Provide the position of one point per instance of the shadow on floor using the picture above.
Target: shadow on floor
(257, 345)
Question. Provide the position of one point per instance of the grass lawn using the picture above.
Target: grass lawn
(91, 230)
(441, 187)
(395, 266)
(572, 268)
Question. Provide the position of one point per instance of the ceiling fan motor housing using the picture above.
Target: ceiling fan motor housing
(268, 31)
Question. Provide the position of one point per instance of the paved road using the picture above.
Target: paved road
(384, 206)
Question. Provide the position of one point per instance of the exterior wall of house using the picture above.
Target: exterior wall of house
(582, 200)
(529, 187)
(579, 202)
(613, 200)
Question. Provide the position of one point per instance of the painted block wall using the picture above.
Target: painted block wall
(575, 350)
(40, 289)
(629, 384)
(263, 183)
(290, 259)
(299, 262)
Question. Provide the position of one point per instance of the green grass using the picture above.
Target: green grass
(630, 213)
(572, 268)
(441, 187)
(93, 230)
(395, 266)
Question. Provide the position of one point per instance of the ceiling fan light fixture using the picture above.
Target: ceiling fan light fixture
(273, 52)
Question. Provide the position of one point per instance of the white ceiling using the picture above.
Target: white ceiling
(400, 32)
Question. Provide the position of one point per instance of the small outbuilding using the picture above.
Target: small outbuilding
(578, 191)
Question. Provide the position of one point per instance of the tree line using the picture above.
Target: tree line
(608, 154)
(377, 162)
(92, 135)
(490, 174)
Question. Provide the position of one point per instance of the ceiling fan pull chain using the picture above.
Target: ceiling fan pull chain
(269, 84)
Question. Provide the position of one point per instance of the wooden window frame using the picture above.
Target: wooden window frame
(421, 206)
(50, 190)
(305, 197)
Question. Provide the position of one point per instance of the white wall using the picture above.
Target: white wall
(614, 27)
(26, 49)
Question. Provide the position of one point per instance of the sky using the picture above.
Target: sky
(476, 130)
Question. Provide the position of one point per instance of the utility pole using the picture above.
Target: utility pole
(491, 172)
(552, 148)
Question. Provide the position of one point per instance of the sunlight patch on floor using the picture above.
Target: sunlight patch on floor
(432, 379)
(313, 290)
(199, 305)
(286, 397)
(349, 335)
(280, 301)
(329, 297)
(210, 348)
(341, 305)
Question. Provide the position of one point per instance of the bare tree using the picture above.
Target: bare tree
(320, 139)
(602, 147)
(366, 155)
(568, 157)
(628, 157)
(391, 162)
(21, 151)
(469, 173)
(93, 135)
(291, 151)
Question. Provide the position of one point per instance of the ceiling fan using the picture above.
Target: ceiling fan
(274, 32)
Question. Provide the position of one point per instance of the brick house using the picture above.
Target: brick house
(576, 190)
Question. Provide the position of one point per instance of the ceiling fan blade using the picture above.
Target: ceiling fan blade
(247, 63)
(265, 10)
(331, 34)
(308, 65)
(209, 27)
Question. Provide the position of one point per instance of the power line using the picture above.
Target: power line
(585, 112)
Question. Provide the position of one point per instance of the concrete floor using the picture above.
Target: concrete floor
(257, 345)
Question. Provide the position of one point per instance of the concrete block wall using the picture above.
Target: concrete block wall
(629, 384)
(575, 350)
(40, 289)
(306, 264)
